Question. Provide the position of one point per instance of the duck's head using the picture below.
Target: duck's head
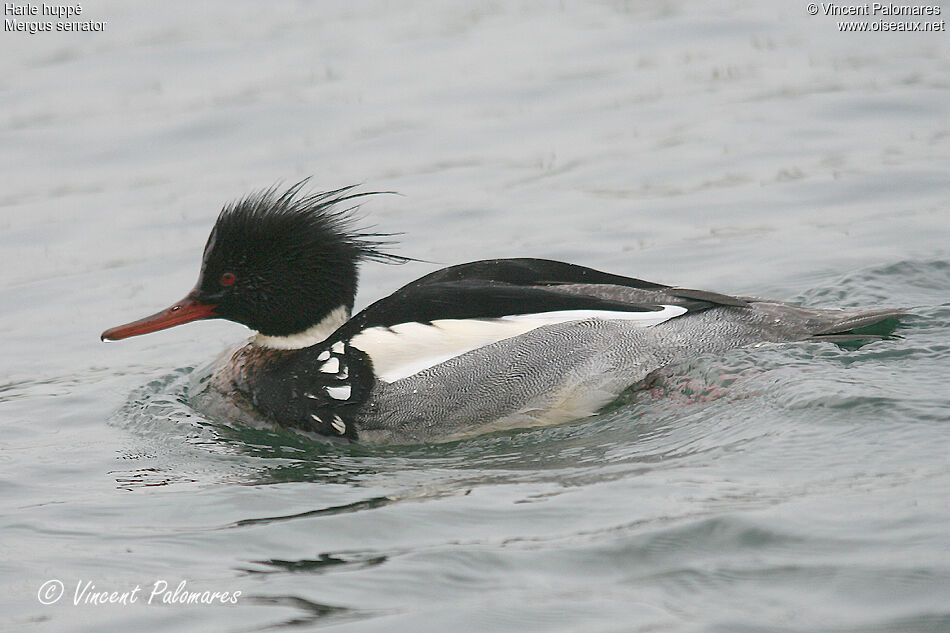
(282, 263)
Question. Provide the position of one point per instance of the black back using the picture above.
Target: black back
(495, 288)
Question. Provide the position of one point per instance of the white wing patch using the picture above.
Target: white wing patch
(332, 366)
(408, 348)
(339, 393)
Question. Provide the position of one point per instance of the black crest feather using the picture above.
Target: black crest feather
(306, 217)
(290, 258)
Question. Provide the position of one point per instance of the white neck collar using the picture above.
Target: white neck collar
(311, 336)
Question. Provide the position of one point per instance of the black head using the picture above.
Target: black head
(276, 262)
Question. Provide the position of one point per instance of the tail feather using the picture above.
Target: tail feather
(861, 326)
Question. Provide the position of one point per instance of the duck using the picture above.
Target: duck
(474, 347)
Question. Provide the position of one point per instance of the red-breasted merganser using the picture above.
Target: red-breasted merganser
(490, 344)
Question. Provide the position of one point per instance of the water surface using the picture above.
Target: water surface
(743, 147)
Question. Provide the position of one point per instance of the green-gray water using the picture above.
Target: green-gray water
(740, 147)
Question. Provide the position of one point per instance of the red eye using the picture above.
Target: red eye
(228, 279)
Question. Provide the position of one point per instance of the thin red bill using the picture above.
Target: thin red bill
(184, 311)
